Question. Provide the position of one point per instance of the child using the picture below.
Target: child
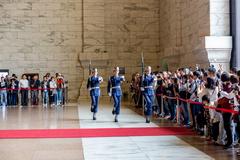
(207, 124)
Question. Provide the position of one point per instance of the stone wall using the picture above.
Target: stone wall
(183, 27)
(39, 36)
(116, 33)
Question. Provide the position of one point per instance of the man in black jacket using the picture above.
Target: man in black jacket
(34, 85)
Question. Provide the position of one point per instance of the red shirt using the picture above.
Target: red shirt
(59, 83)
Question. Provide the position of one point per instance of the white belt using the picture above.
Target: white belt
(116, 87)
(148, 87)
(94, 88)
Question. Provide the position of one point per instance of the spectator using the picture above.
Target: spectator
(3, 92)
(8, 82)
(60, 86)
(199, 87)
(14, 90)
(24, 86)
(45, 87)
(53, 91)
(34, 86)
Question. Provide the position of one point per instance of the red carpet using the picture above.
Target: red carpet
(87, 133)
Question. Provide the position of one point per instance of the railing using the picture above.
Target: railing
(189, 102)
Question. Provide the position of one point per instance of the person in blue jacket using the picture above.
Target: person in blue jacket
(148, 82)
(114, 90)
(93, 86)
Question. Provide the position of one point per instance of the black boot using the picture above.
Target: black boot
(94, 116)
(113, 111)
(147, 119)
(116, 118)
(91, 109)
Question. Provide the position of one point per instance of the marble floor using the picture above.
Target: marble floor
(117, 148)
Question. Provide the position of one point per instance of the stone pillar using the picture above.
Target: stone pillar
(219, 44)
(235, 23)
(219, 50)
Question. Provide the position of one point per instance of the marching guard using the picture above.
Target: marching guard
(148, 81)
(93, 86)
(114, 90)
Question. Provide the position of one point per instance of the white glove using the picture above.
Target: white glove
(109, 94)
(123, 77)
(100, 79)
(142, 88)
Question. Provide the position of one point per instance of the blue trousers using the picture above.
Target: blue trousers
(3, 95)
(9, 98)
(166, 108)
(34, 97)
(59, 96)
(14, 97)
(185, 113)
(172, 107)
(117, 104)
(149, 104)
(95, 100)
(45, 97)
(54, 98)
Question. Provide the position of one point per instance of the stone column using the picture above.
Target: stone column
(219, 50)
(235, 10)
(219, 43)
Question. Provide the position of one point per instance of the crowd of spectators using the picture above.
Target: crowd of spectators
(30, 90)
(209, 89)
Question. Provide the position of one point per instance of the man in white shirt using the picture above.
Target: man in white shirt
(24, 87)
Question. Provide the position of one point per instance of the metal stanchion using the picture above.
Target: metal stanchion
(178, 112)
(162, 107)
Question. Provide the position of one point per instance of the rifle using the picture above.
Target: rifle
(142, 61)
(89, 72)
(89, 80)
(89, 67)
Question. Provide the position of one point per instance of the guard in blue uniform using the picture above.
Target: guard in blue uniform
(93, 86)
(148, 81)
(114, 90)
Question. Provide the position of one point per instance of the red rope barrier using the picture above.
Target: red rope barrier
(199, 103)
(30, 89)
(222, 109)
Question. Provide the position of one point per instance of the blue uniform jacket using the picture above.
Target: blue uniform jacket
(148, 84)
(93, 84)
(114, 85)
